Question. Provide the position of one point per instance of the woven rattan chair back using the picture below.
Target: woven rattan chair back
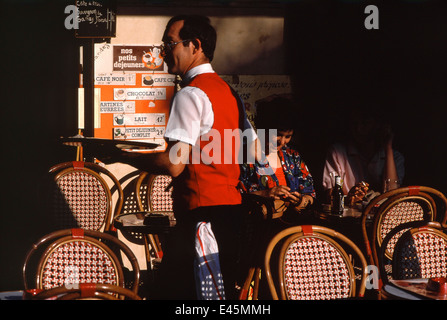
(159, 197)
(82, 198)
(421, 252)
(313, 265)
(134, 194)
(398, 210)
(96, 291)
(396, 207)
(74, 256)
(154, 194)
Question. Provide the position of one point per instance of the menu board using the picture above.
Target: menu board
(252, 88)
(96, 18)
(135, 93)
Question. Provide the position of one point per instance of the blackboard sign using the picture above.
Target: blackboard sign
(96, 18)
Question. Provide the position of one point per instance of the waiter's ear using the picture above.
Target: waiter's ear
(197, 44)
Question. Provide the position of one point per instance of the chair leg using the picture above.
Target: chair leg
(158, 244)
(149, 240)
(245, 289)
(257, 276)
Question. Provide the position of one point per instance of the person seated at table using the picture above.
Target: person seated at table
(366, 161)
(279, 173)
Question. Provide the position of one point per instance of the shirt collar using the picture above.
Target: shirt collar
(203, 68)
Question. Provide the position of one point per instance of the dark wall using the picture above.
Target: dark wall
(335, 62)
(39, 99)
(338, 64)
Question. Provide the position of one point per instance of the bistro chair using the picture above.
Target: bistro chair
(134, 240)
(81, 197)
(396, 207)
(154, 194)
(159, 195)
(260, 213)
(314, 263)
(420, 252)
(132, 192)
(90, 291)
(71, 257)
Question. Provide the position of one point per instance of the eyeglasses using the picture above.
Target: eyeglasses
(165, 47)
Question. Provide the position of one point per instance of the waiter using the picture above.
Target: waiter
(205, 168)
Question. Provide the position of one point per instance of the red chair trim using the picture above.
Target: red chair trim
(307, 230)
(87, 289)
(78, 165)
(413, 191)
(77, 233)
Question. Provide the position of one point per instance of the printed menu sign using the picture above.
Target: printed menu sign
(135, 133)
(139, 93)
(117, 106)
(118, 79)
(135, 93)
(139, 119)
(137, 58)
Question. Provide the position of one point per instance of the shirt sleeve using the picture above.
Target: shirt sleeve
(191, 116)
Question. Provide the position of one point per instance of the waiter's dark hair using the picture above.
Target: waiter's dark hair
(197, 27)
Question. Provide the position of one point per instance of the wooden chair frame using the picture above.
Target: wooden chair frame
(95, 170)
(292, 234)
(55, 239)
(101, 291)
(380, 206)
(411, 229)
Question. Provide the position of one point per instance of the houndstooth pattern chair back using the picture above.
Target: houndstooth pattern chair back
(71, 257)
(420, 253)
(75, 261)
(398, 214)
(314, 263)
(314, 269)
(82, 198)
(160, 194)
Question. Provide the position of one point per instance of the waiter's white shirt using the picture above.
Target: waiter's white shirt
(191, 111)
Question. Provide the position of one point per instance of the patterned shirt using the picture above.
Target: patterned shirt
(261, 176)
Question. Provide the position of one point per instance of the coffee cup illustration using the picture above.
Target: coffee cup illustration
(147, 80)
(119, 93)
(119, 119)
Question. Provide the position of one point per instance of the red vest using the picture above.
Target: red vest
(209, 179)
